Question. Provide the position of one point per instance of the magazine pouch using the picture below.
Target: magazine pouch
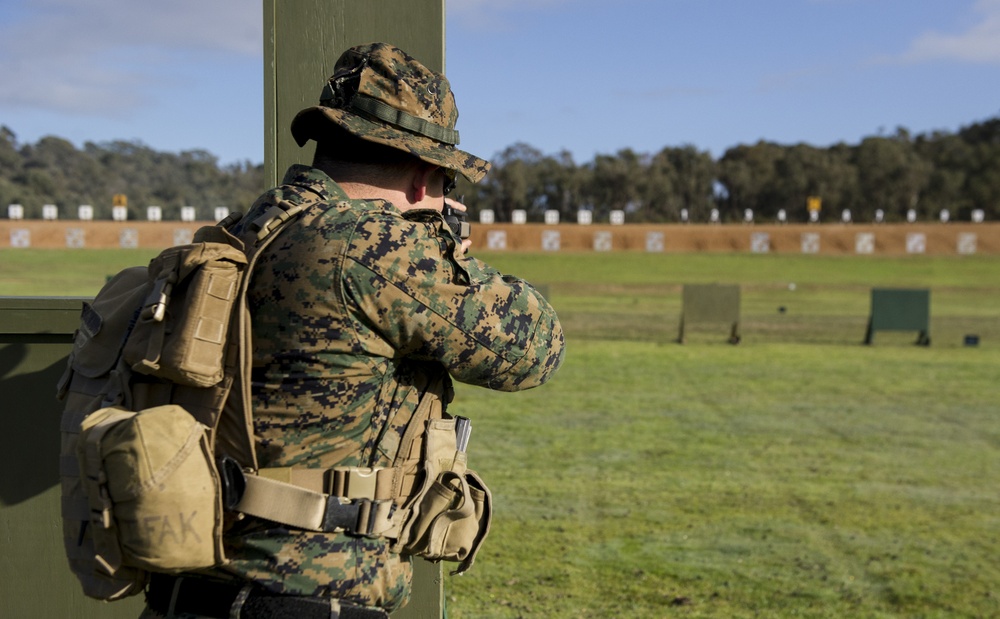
(182, 331)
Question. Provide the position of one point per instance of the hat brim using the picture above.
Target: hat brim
(309, 122)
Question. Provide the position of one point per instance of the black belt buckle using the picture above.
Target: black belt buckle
(342, 516)
(234, 482)
(356, 516)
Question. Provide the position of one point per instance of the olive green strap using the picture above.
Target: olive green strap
(275, 218)
(391, 115)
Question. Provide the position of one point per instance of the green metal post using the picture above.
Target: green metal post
(302, 41)
(304, 38)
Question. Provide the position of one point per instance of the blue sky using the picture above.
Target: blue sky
(586, 76)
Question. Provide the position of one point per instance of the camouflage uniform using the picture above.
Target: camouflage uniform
(357, 310)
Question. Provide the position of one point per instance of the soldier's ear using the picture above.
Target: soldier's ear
(419, 191)
(422, 177)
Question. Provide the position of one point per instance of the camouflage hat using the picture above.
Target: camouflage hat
(381, 94)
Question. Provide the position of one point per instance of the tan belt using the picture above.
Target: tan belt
(348, 482)
(356, 500)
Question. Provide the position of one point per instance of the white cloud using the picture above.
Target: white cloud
(980, 43)
(223, 25)
(106, 56)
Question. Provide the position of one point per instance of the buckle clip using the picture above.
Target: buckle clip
(233, 481)
(275, 216)
(357, 516)
(341, 514)
(155, 308)
(353, 482)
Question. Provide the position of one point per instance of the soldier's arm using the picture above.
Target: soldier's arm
(429, 301)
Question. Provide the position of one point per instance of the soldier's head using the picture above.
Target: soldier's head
(381, 106)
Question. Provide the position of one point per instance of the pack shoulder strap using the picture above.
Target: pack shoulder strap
(234, 432)
(350, 499)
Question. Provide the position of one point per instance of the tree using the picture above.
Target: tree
(891, 174)
(617, 183)
(951, 158)
(982, 186)
(747, 173)
(692, 173)
(509, 184)
(941, 170)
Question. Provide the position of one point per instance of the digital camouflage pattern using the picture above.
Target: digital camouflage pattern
(357, 309)
(381, 94)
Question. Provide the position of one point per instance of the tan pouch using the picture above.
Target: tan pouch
(454, 519)
(452, 511)
(153, 490)
(182, 333)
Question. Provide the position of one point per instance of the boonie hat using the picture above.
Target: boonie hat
(381, 94)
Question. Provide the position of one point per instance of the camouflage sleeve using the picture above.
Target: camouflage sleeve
(411, 285)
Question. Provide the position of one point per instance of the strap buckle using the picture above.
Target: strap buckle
(342, 514)
(358, 516)
(353, 482)
(155, 308)
(275, 216)
(233, 481)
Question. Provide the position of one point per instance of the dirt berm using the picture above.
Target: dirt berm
(875, 239)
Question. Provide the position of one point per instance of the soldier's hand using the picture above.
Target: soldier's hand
(458, 206)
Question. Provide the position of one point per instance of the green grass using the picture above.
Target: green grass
(638, 296)
(772, 480)
(799, 474)
(78, 272)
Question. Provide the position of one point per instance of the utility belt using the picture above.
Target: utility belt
(167, 515)
(169, 595)
(436, 508)
(356, 500)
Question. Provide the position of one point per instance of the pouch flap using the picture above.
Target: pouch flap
(106, 321)
(184, 259)
(218, 234)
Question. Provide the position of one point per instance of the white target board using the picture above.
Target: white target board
(655, 242)
(916, 243)
(810, 243)
(602, 241)
(551, 240)
(496, 239)
(864, 243)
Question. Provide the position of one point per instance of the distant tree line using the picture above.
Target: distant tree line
(959, 172)
(927, 173)
(54, 171)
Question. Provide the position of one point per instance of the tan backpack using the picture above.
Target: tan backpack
(157, 435)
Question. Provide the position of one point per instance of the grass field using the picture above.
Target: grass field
(798, 474)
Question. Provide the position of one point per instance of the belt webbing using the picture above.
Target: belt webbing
(302, 508)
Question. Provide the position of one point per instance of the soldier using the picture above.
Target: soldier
(363, 310)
